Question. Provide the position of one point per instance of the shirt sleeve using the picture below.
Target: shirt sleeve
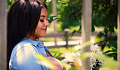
(25, 60)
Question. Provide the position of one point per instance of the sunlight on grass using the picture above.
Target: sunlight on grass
(56, 52)
(50, 39)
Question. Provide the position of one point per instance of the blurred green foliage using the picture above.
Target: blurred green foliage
(56, 51)
(110, 64)
(44, 61)
(9, 3)
(71, 15)
(104, 14)
(107, 62)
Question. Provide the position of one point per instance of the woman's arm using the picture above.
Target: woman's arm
(55, 61)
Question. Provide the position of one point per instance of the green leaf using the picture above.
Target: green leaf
(50, 19)
(44, 61)
(110, 63)
(67, 66)
(83, 45)
(100, 34)
(111, 51)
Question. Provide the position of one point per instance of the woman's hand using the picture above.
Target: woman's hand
(56, 63)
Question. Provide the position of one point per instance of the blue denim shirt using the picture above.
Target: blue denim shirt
(22, 56)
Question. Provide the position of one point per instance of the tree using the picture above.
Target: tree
(104, 14)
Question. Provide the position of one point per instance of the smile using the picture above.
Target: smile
(44, 29)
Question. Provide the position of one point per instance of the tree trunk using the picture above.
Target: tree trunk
(3, 35)
(118, 35)
(86, 29)
(55, 22)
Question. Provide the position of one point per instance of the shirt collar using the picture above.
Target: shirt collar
(35, 43)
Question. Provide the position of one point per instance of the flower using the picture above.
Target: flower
(73, 57)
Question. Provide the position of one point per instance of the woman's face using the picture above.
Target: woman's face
(42, 25)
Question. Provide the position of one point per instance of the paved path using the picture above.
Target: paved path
(62, 43)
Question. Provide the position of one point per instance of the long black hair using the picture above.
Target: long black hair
(22, 18)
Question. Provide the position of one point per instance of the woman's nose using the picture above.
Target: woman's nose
(47, 23)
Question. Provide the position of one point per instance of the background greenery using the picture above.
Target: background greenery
(104, 14)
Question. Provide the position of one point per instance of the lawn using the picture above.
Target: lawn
(59, 52)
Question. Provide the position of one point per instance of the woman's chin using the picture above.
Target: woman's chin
(42, 35)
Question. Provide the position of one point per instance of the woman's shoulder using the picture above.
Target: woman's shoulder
(23, 58)
(22, 47)
(22, 44)
(25, 42)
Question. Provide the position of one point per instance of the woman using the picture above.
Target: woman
(27, 19)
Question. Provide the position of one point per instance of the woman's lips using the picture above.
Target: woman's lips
(44, 29)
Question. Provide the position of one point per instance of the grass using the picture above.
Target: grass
(59, 52)
(51, 39)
